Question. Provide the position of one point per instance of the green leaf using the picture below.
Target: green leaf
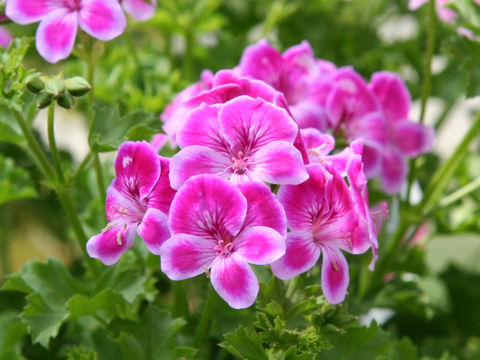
(12, 331)
(15, 182)
(153, 337)
(109, 128)
(358, 343)
(404, 350)
(9, 131)
(244, 344)
(108, 304)
(80, 353)
(43, 320)
(48, 286)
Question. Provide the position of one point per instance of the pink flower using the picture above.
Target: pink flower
(5, 37)
(218, 226)
(138, 201)
(321, 216)
(444, 13)
(140, 10)
(304, 80)
(348, 163)
(102, 19)
(244, 139)
(378, 113)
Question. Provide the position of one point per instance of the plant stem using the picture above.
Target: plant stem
(203, 323)
(90, 114)
(426, 86)
(53, 143)
(39, 155)
(443, 175)
(180, 306)
(460, 193)
(81, 167)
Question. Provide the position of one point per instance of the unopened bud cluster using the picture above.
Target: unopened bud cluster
(57, 88)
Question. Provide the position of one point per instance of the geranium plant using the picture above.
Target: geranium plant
(287, 200)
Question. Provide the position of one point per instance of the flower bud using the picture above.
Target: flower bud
(43, 99)
(66, 100)
(77, 86)
(35, 84)
(55, 87)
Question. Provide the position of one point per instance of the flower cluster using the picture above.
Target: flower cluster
(257, 179)
(59, 20)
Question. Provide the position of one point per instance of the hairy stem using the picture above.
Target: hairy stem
(204, 319)
(53, 143)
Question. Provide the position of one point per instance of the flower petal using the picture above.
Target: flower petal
(140, 10)
(234, 281)
(303, 202)
(184, 256)
(196, 160)
(335, 276)
(154, 230)
(263, 62)
(110, 245)
(202, 128)
(259, 245)
(30, 11)
(102, 19)
(56, 35)
(393, 95)
(394, 171)
(301, 255)
(263, 208)
(5, 37)
(206, 206)
(279, 162)
(162, 194)
(249, 124)
(318, 145)
(137, 169)
(412, 139)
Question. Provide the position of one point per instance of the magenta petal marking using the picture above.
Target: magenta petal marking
(253, 123)
(29, 11)
(56, 35)
(303, 202)
(393, 95)
(196, 160)
(140, 10)
(259, 245)
(102, 19)
(335, 277)
(110, 245)
(234, 281)
(263, 208)
(137, 169)
(279, 163)
(184, 256)
(154, 230)
(301, 255)
(207, 205)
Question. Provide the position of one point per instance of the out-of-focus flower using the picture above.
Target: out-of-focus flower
(138, 201)
(304, 80)
(102, 19)
(444, 13)
(140, 10)
(378, 113)
(244, 139)
(220, 228)
(5, 37)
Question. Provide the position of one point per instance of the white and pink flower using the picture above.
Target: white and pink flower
(138, 201)
(220, 228)
(59, 19)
